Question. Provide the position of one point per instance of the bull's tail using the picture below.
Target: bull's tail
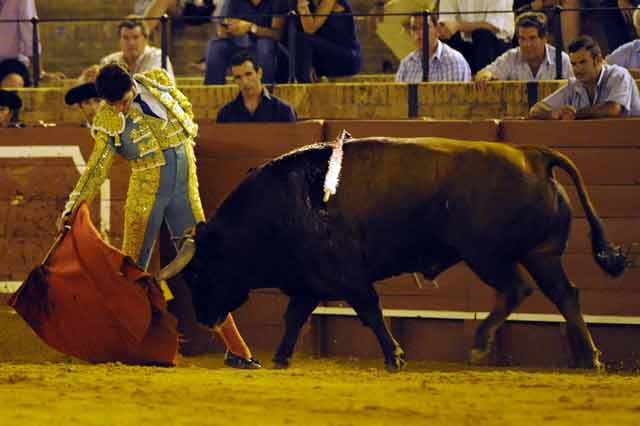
(608, 256)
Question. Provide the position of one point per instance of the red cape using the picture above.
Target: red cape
(92, 302)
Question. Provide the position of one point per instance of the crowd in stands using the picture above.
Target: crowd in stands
(468, 40)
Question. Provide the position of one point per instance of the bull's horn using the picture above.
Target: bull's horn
(184, 256)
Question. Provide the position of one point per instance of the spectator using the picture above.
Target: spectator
(482, 36)
(10, 105)
(617, 21)
(533, 59)
(85, 95)
(174, 8)
(597, 91)
(394, 30)
(628, 55)
(254, 103)
(135, 52)
(445, 63)
(257, 32)
(14, 74)
(327, 40)
(17, 39)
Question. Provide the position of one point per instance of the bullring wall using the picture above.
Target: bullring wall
(39, 166)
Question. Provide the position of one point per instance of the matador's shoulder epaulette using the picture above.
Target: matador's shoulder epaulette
(108, 120)
(156, 77)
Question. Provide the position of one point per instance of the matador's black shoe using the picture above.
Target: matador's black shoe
(235, 361)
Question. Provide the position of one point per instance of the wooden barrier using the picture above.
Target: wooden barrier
(39, 166)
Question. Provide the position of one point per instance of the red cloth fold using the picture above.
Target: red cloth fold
(92, 302)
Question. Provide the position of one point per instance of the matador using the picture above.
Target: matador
(150, 123)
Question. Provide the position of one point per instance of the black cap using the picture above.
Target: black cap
(14, 66)
(81, 93)
(10, 99)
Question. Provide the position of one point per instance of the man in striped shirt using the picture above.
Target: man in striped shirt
(445, 63)
(533, 59)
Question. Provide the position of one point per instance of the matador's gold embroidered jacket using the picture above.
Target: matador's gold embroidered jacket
(141, 139)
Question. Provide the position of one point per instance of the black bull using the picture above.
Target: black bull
(418, 205)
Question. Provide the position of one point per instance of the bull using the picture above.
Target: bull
(402, 206)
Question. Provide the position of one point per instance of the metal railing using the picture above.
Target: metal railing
(165, 20)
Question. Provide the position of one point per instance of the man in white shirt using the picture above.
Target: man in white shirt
(533, 59)
(480, 37)
(135, 52)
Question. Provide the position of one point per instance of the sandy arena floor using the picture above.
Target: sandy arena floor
(40, 387)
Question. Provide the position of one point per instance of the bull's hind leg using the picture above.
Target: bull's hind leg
(548, 272)
(366, 305)
(511, 289)
(297, 314)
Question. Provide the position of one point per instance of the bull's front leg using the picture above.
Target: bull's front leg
(370, 314)
(297, 314)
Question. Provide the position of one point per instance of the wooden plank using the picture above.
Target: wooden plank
(486, 130)
(264, 140)
(583, 133)
(604, 166)
(608, 200)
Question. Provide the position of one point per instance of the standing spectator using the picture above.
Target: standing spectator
(16, 43)
(533, 59)
(598, 90)
(135, 52)
(10, 105)
(445, 63)
(481, 36)
(254, 103)
(328, 41)
(175, 8)
(628, 55)
(248, 25)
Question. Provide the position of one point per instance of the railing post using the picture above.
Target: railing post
(35, 55)
(164, 36)
(557, 35)
(426, 15)
(291, 41)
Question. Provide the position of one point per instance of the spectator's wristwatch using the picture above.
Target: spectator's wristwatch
(253, 29)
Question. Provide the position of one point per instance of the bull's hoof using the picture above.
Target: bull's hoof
(395, 365)
(479, 358)
(280, 362)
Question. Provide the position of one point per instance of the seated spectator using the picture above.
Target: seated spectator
(393, 29)
(247, 25)
(445, 63)
(176, 9)
(616, 19)
(10, 105)
(628, 55)
(482, 36)
(14, 74)
(327, 41)
(533, 59)
(597, 91)
(85, 95)
(254, 103)
(135, 52)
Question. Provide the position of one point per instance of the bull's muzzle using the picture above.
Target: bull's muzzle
(184, 256)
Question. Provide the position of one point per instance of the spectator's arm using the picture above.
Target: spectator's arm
(541, 111)
(620, 85)
(311, 23)
(605, 110)
(239, 27)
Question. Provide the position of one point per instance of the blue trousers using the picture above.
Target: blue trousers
(172, 202)
(220, 51)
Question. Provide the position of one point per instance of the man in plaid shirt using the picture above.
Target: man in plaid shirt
(445, 63)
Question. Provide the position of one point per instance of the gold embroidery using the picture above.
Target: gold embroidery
(149, 161)
(194, 194)
(109, 121)
(141, 197)
(95, 172)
